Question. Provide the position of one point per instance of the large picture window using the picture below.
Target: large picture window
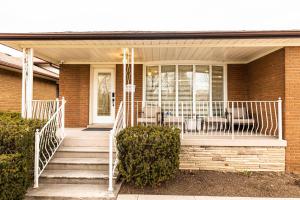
(186, 87)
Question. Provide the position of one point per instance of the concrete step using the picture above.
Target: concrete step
(82, 152)
(86, 142)
(71, 192)
(74, 177)
(78, 164)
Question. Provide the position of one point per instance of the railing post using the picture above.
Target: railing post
(232, 119)
(56, 110)
(110, 181)
(63, 116)
(279, 118)
(182, 121)
(36, 158)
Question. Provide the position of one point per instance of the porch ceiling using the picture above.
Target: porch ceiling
(110, 51)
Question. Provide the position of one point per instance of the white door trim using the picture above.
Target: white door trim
(94, 68)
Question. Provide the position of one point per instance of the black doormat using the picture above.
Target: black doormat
(97, 129)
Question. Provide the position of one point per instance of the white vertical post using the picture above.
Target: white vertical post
(176, 91)
(133, 87)
(194, 92)
(56, 110)
(182, 121)
(159, 85)
(124, 87)
(210, 92)
(232, 118)
(279, 118)
(36, 158)
(110, 181)
(63, 116)
(27, 83)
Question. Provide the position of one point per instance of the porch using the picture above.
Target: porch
(223, 94)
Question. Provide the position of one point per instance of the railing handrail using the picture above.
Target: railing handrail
(118, 116)
(51, 118)
(113, 132)
(58, 119)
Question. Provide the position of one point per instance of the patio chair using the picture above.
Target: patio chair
(150, 115)
(240, 116)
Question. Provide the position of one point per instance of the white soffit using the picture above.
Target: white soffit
(93, 51)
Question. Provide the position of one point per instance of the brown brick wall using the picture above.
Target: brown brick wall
(292, 108)
(237, 83)
(11, 90)
(74, 85)
(262, 79)
(266, 77)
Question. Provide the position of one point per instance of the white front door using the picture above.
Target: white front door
(104, 96)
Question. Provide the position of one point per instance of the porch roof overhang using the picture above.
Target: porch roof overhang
(185, 47)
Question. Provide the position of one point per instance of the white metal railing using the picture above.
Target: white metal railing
(44, 109)
(214, 118)
(118, 126)
(48, 139)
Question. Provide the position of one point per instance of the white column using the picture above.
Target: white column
(210, 92)
(124, 87)
(27, 83)
(133, 87)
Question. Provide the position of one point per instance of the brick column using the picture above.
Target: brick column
(292, 108)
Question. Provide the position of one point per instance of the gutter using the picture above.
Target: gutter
(12, 67)
(142, 35)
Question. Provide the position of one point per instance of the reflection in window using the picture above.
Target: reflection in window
(152, 83)
(185, 88)
(168, 89)
(202, 89)
(217, 91)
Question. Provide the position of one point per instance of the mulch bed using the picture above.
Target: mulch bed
(212, 183)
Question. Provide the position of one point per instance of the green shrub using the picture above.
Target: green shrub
(148, 155)
(13, 176)
(17, 138)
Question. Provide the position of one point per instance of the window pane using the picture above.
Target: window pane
(168, 89)
(202, 90)
(152, 83)
(217, 90)
(185, 88)
(104, 92)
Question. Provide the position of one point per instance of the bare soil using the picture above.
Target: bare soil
(212, 183)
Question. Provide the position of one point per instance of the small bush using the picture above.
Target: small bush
(16, 150)
(148, 155)
(13, 176)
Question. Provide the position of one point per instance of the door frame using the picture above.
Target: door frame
(93, 68)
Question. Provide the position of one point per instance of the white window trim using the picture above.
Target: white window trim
(225, 85)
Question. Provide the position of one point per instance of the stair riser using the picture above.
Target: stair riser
(85, 143)
(56, 166)
(67, 154)
(73, 180)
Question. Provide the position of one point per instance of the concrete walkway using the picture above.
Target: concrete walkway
(175, 197)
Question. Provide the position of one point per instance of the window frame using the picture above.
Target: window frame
(225, 85)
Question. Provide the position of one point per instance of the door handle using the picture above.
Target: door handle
(113, 99)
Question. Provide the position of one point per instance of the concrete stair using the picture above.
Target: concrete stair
(78, 170)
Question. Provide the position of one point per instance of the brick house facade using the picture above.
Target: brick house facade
(262, 69)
